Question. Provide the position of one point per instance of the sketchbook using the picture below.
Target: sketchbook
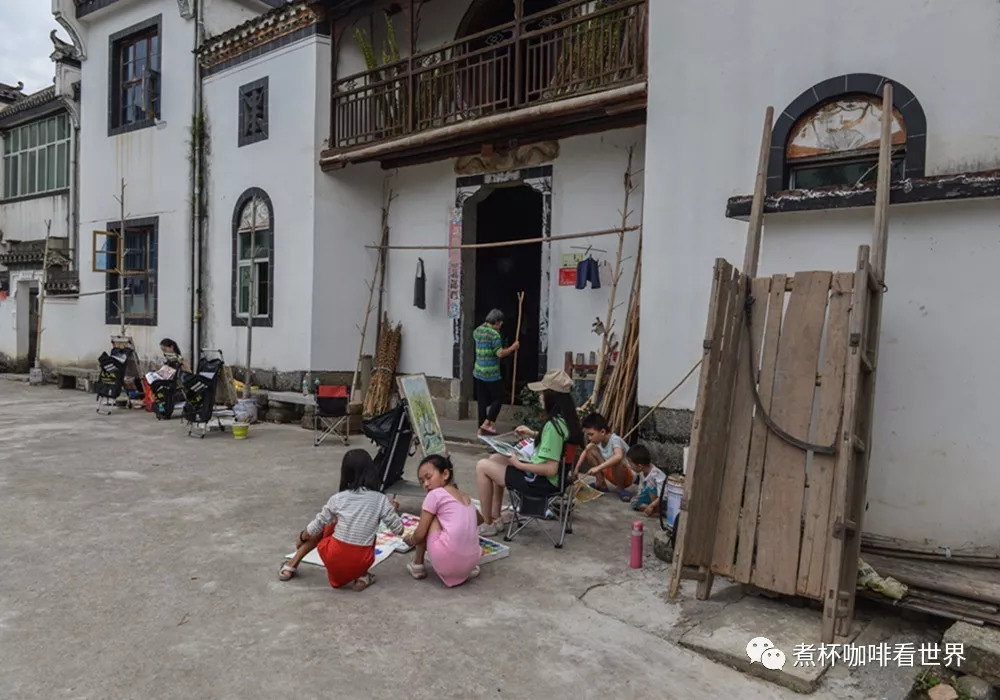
(524, 450)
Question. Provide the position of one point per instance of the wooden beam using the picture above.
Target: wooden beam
(880, 239)
(752, 254)
(503, 244)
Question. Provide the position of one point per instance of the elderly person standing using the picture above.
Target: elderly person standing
(486, 371)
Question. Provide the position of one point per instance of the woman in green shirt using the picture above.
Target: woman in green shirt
(541, 476)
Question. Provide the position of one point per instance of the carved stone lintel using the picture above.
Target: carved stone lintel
(496, 160)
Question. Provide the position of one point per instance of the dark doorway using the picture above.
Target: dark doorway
(32, 326)
(507, 214)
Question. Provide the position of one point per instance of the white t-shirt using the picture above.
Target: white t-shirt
(608, 449)
(653, 480)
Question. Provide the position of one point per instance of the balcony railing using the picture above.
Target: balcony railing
(576, 48)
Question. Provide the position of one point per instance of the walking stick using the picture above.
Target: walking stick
(517, 336)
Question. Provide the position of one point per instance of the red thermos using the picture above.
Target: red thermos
(635, 558)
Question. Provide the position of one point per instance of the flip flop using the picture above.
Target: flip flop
(286, 572)
(363, 582)
(417, 571)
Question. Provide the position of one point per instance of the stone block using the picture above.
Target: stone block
(975, 688)
(981, 648)
(663, 548)
(674, 425)
(942, 691)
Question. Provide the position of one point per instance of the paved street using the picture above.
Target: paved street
(140, 563)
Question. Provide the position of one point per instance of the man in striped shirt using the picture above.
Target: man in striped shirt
(486, 371)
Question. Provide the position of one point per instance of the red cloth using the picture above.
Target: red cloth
(147, 396)
(344, 562)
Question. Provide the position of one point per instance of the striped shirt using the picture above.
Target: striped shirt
(358, 514)
(488, 344)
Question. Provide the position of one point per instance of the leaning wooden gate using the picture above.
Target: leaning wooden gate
(778, 467)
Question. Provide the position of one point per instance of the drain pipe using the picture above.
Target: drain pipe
(197, 147)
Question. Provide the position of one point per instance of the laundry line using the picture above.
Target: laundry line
(503, 244)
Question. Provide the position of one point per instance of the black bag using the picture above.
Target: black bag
(420, 286)
(112, 376)
(164, 396)
(199, 391)
(392, 433)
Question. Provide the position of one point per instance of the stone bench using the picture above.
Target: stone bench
(76, 378)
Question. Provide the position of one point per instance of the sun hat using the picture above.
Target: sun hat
(554, 380)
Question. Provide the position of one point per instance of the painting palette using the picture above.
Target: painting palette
(491, 551)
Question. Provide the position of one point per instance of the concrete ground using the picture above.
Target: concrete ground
(140, 563)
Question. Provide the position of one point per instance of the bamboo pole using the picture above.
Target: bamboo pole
(379, 265)
(517, 336)
(251, 305)
(520, 241)
(41, 294)
(602, 358)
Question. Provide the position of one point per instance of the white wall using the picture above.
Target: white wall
(587, 196)
(285, 166)
(154, 164)
(222, 15)
(933, 455)
(25, 220)
(705, 121)
(347, 217)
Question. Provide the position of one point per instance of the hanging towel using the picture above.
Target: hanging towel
(588, 269)
(420, 286)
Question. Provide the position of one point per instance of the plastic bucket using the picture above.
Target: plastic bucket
(245, 411)
(675, 490)
(240, 431)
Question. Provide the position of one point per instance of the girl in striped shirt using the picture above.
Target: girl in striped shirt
(344, 531)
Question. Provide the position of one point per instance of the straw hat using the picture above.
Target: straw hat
(554, 380)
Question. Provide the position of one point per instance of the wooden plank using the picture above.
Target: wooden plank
(682, 555)
(758, 439)
(702, 498)
(953, 601)
(979, 585)
(835, 577)
(741, 426)
(812, 558)
(720, 425)
(791, 408)
(752, 254)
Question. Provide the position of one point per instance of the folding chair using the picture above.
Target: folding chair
(529, 508)
(330, 415)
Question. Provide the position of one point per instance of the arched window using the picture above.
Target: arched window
(253, 259)
(837, 143)
(829, 135)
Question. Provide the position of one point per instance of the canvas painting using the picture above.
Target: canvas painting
(423, 417)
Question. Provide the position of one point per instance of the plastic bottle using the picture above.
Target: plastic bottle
(635, 555)
(305, 385)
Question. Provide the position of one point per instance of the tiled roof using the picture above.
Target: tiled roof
(29, 102)
(11, 93)
(283, 19)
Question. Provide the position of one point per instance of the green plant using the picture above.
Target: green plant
(390, 100)
(926, 680)
(592, 50)
(530, 411)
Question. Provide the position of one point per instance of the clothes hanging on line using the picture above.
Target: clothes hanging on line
(420, 286)
(588, 270)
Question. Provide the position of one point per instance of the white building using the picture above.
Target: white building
(932, 468)
(488, 126)
(38, 197)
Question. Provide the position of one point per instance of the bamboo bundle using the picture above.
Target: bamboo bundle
(618, 397)
(384, 372)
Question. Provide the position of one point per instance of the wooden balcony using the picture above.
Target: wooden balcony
(579, 67)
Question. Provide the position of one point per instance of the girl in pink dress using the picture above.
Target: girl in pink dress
(448, 529)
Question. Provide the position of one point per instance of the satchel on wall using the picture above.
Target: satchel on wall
(420, 286)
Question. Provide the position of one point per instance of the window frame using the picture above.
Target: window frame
(19, 149)
(117, 42)
(245, 139)
(240, 318)
(150, 226)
